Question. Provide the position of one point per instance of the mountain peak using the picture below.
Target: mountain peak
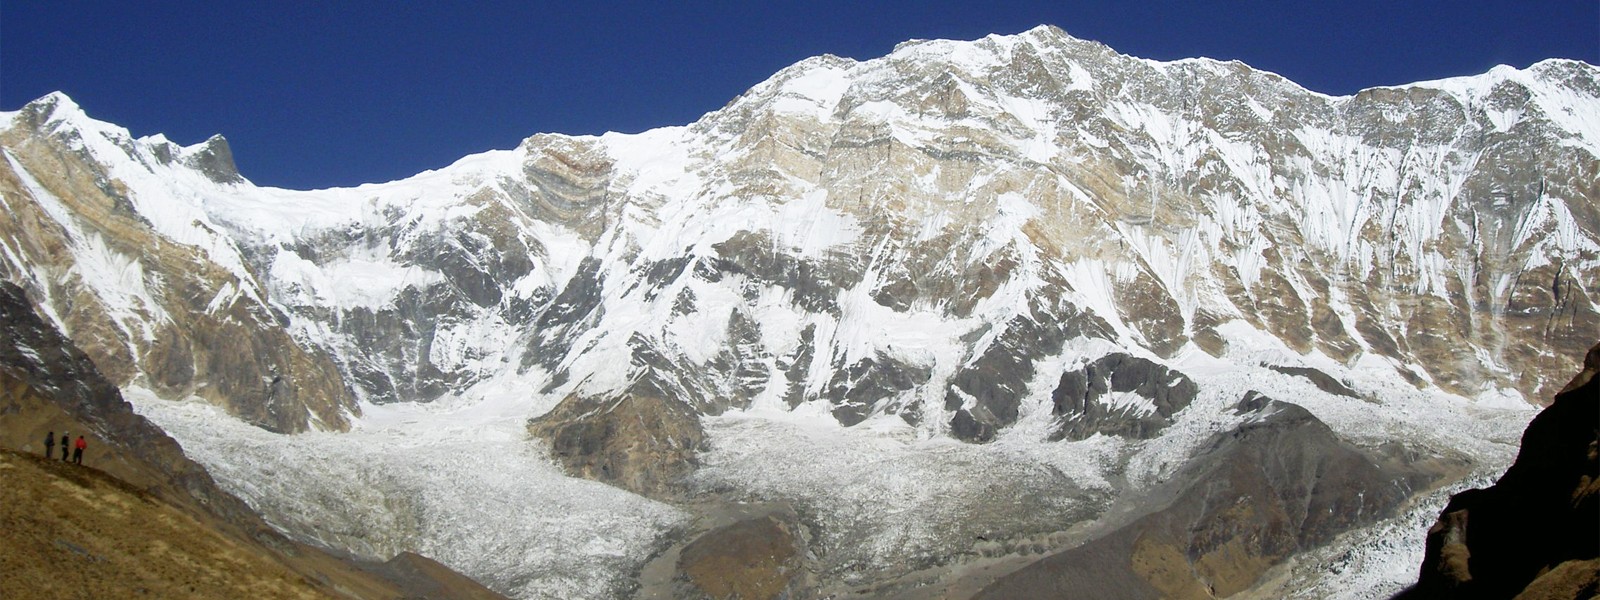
(214, 158)
(55, 101)
(51, 107)
(1026, 240)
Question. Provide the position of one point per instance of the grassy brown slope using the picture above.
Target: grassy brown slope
(75, 532)
(48, 384)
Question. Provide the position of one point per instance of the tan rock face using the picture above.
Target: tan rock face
(641, 441)
(1571, 580)
(149, 310)
(938, 235)
(137, 516)
(980, 190)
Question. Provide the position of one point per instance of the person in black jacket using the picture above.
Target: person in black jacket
(66, 447)
(50, 444)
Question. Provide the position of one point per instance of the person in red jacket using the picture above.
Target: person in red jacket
(77, 450)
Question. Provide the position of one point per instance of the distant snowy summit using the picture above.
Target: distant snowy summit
(938, 234)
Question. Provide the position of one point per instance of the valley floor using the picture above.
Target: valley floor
(889, 509)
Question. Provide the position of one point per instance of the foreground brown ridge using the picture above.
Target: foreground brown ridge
(76, 532)
(1279, 484)
(139, 519)
(1534, 534)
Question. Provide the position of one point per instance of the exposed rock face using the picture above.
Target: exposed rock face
(1571, 580)
(1279, 484)
(1152, 394)
(1534, 532)
(642, 441)
(987, 394)
(962, 235)
(1322, 380)
(50, 385)
(155, 294)
(1117, 394)
(214, 158)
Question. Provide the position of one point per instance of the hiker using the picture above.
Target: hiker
(49, 444)
(77, 452)
(66, 449)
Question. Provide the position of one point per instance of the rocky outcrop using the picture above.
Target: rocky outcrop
(50, 385)
(754, 559)
(1278, 484)
(1323, 381)
(643, 441)
(1536, 532)
(1151, 395)
(1116, 394)
(986, 394)
(985, 202)
(934, 235)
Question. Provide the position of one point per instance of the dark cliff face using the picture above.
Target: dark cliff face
(1077, 405)
(1536, 532)
(1279, 484)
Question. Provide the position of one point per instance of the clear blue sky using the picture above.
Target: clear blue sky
(314, 94)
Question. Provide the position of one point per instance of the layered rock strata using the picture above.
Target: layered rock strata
(920, 235)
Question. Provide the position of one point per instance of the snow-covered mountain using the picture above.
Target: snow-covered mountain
(1030, 242)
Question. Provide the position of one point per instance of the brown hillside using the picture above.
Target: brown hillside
(75, 532)
(139, 515)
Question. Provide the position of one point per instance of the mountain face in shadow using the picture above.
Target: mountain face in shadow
(1535, 533)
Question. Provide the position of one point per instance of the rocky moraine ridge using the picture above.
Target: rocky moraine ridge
(1018, 239)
